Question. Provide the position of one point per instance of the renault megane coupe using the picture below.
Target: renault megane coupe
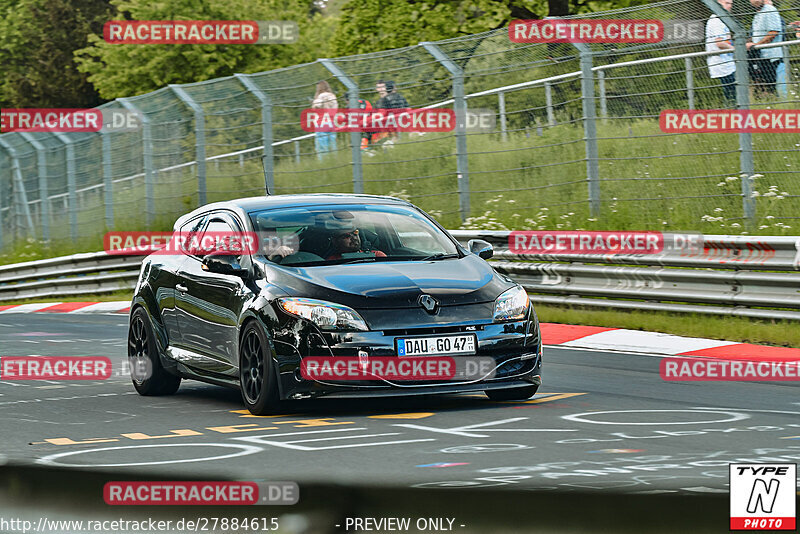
(333, 276)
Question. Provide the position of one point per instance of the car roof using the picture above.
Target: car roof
(242, 206)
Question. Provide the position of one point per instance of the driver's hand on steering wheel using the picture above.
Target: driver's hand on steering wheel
(282, 251)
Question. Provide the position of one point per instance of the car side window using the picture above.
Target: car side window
(190, 231)
(218, 230)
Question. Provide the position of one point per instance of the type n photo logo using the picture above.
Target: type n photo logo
(763, 496)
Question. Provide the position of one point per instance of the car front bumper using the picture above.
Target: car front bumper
(514, 347)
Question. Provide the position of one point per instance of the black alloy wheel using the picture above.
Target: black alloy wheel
(147, 374)
(257, 380)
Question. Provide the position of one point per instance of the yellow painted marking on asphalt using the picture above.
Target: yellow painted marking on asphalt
(239, 428)
(539, 398)
(421, 415)
(246, 413)
(551, 397)
(50, 387)
(173, 434)
(791, 437)
(67, 441)
(308, 423)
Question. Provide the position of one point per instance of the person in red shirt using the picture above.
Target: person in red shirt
(348, 240)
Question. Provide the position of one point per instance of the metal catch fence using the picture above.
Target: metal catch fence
(576, 145)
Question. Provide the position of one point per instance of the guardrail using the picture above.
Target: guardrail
(729, 275)
(94, 273)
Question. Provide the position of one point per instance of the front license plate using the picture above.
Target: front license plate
(429, 346)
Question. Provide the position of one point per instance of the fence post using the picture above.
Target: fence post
(746, 165)
(460, 106)
(41, 169)
(72, 196)
(147, 157)
(200, 139)
(687, 63)
(548, 97)
(108, 182)
(3, 230)
(266, 130)
(297, 152)
(787, 57)
(355, 137)
(22, 211)
(501, 104)
(590, 128)
(601, 84)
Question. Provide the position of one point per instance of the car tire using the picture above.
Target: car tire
(257, 378)
(523, 393)
(147, 374)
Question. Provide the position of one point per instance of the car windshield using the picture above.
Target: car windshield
(314, 235)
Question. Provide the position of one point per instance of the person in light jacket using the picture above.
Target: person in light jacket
(324, 99)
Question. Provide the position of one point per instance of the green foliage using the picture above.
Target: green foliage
(373, 25)
(37, 39)
(125, 70)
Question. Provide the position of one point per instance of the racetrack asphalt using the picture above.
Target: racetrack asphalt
(602, 421)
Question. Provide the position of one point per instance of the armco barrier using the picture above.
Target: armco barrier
(730, 275)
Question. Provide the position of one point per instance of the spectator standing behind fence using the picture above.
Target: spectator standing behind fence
(324, 99)
(767, 28)
(390, 99)
(721, 66)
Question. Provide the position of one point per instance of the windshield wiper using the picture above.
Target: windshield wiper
(440, 256)
(354, 260)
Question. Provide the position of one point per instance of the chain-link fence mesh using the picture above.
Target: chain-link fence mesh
(576, 144)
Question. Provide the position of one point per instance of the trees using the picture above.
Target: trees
(37, 39)
(372, 25)
(118, 70)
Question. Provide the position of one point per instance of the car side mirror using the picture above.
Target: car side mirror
(481, 248)
(223, 264)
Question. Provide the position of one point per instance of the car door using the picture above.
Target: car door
(210, 306)
(166, 285)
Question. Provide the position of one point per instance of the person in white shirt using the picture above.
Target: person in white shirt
(721, 66)
(768, 28)
(324, 99)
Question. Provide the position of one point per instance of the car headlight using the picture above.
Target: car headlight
(512, 304)
(326, 315)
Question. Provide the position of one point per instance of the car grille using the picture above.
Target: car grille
(431, 330)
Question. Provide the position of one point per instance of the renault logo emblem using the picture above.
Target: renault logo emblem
(429, 303)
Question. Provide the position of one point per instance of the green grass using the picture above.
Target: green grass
(528, 181)
(741, 329)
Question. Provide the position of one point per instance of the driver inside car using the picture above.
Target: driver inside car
(346, 240)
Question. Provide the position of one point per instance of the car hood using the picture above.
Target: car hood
(468, 280)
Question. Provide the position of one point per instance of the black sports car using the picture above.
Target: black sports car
(331, 276)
